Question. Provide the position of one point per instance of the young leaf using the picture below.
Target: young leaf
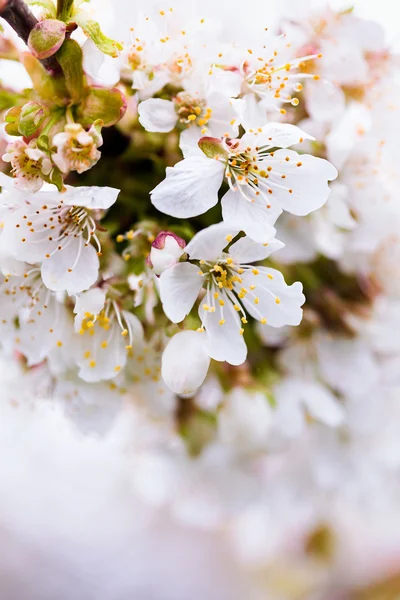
(109, 105)
(31, 117)
(92, 29)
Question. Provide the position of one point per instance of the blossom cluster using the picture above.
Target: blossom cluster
(199, 234)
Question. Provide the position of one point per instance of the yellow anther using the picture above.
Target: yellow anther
(277, 300)
(191, 117)
(92, 364)
(130, 235)
(216, 295)
(206, 307)
(256, 300)
(117, 368)
(104, 344)
(240, 271)
(255, 271)
(221, 303)
(124, 332)
(263, 321)
(270, 276)
(59, 344)
(241, 331)
(229, 261)
(200, 329)
(244, 320)
(228, 238)
(236, 307)
(252, 286)
(90, 324)
(81, 331)
(120, 238)
(222, 321)
(87, 354)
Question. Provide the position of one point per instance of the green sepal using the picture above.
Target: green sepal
(212, 147)
(31, 118)
(55, 177)
(46, 38)
(92, 29)
(108, 105)
(43, 143)
(47, 5)
(70, 59)
(51, 89)
(11, 119)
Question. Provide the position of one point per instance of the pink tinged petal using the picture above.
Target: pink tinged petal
(254, 218)
(271, 298)
(185, 363)
(209, 243)
(73, 269)
(157, 115)
(90, 197)
(304, 185)
(246, 250)
(179, 288)
(190, 187)
(224, 342)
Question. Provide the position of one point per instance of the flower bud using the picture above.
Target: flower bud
(166, 251)
(31, 117)
(46, 38)
(184, 362)
(77, 148)
(212, 147)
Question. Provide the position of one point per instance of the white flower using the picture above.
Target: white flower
(33, 320)
(233, 288)
(30, 166)
(77, 148)
(263, 180)
(56, 230)
(185, 362)
(198, 116)
(166, 251)
(109, 336)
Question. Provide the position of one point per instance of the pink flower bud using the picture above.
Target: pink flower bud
(166, 251)
(46, 38)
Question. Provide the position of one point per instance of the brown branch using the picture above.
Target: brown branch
(18, 15)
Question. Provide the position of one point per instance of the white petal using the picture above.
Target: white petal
(278, 303)
(322, 404)
(59, 272)
(190, 188)
(246, 250)
(209, 243)
(251, 217)
(185, 362)
(90, 197)
(91, 302)
(179, 288)
(224, 342)
(189, 142)
(279, 135)
(305, 186)
(157, 115)
(250, 111)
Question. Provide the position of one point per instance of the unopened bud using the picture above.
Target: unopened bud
(46, 38)
(166, 251)
(212, 147)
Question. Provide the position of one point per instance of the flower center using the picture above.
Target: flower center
(191, 111)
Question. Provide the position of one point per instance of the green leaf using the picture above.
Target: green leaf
(46, 38)
(92, 29)
(47, 5)
(70, 58)
(51, 89)
(8, 99)
(31, 117)
(108, 105)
